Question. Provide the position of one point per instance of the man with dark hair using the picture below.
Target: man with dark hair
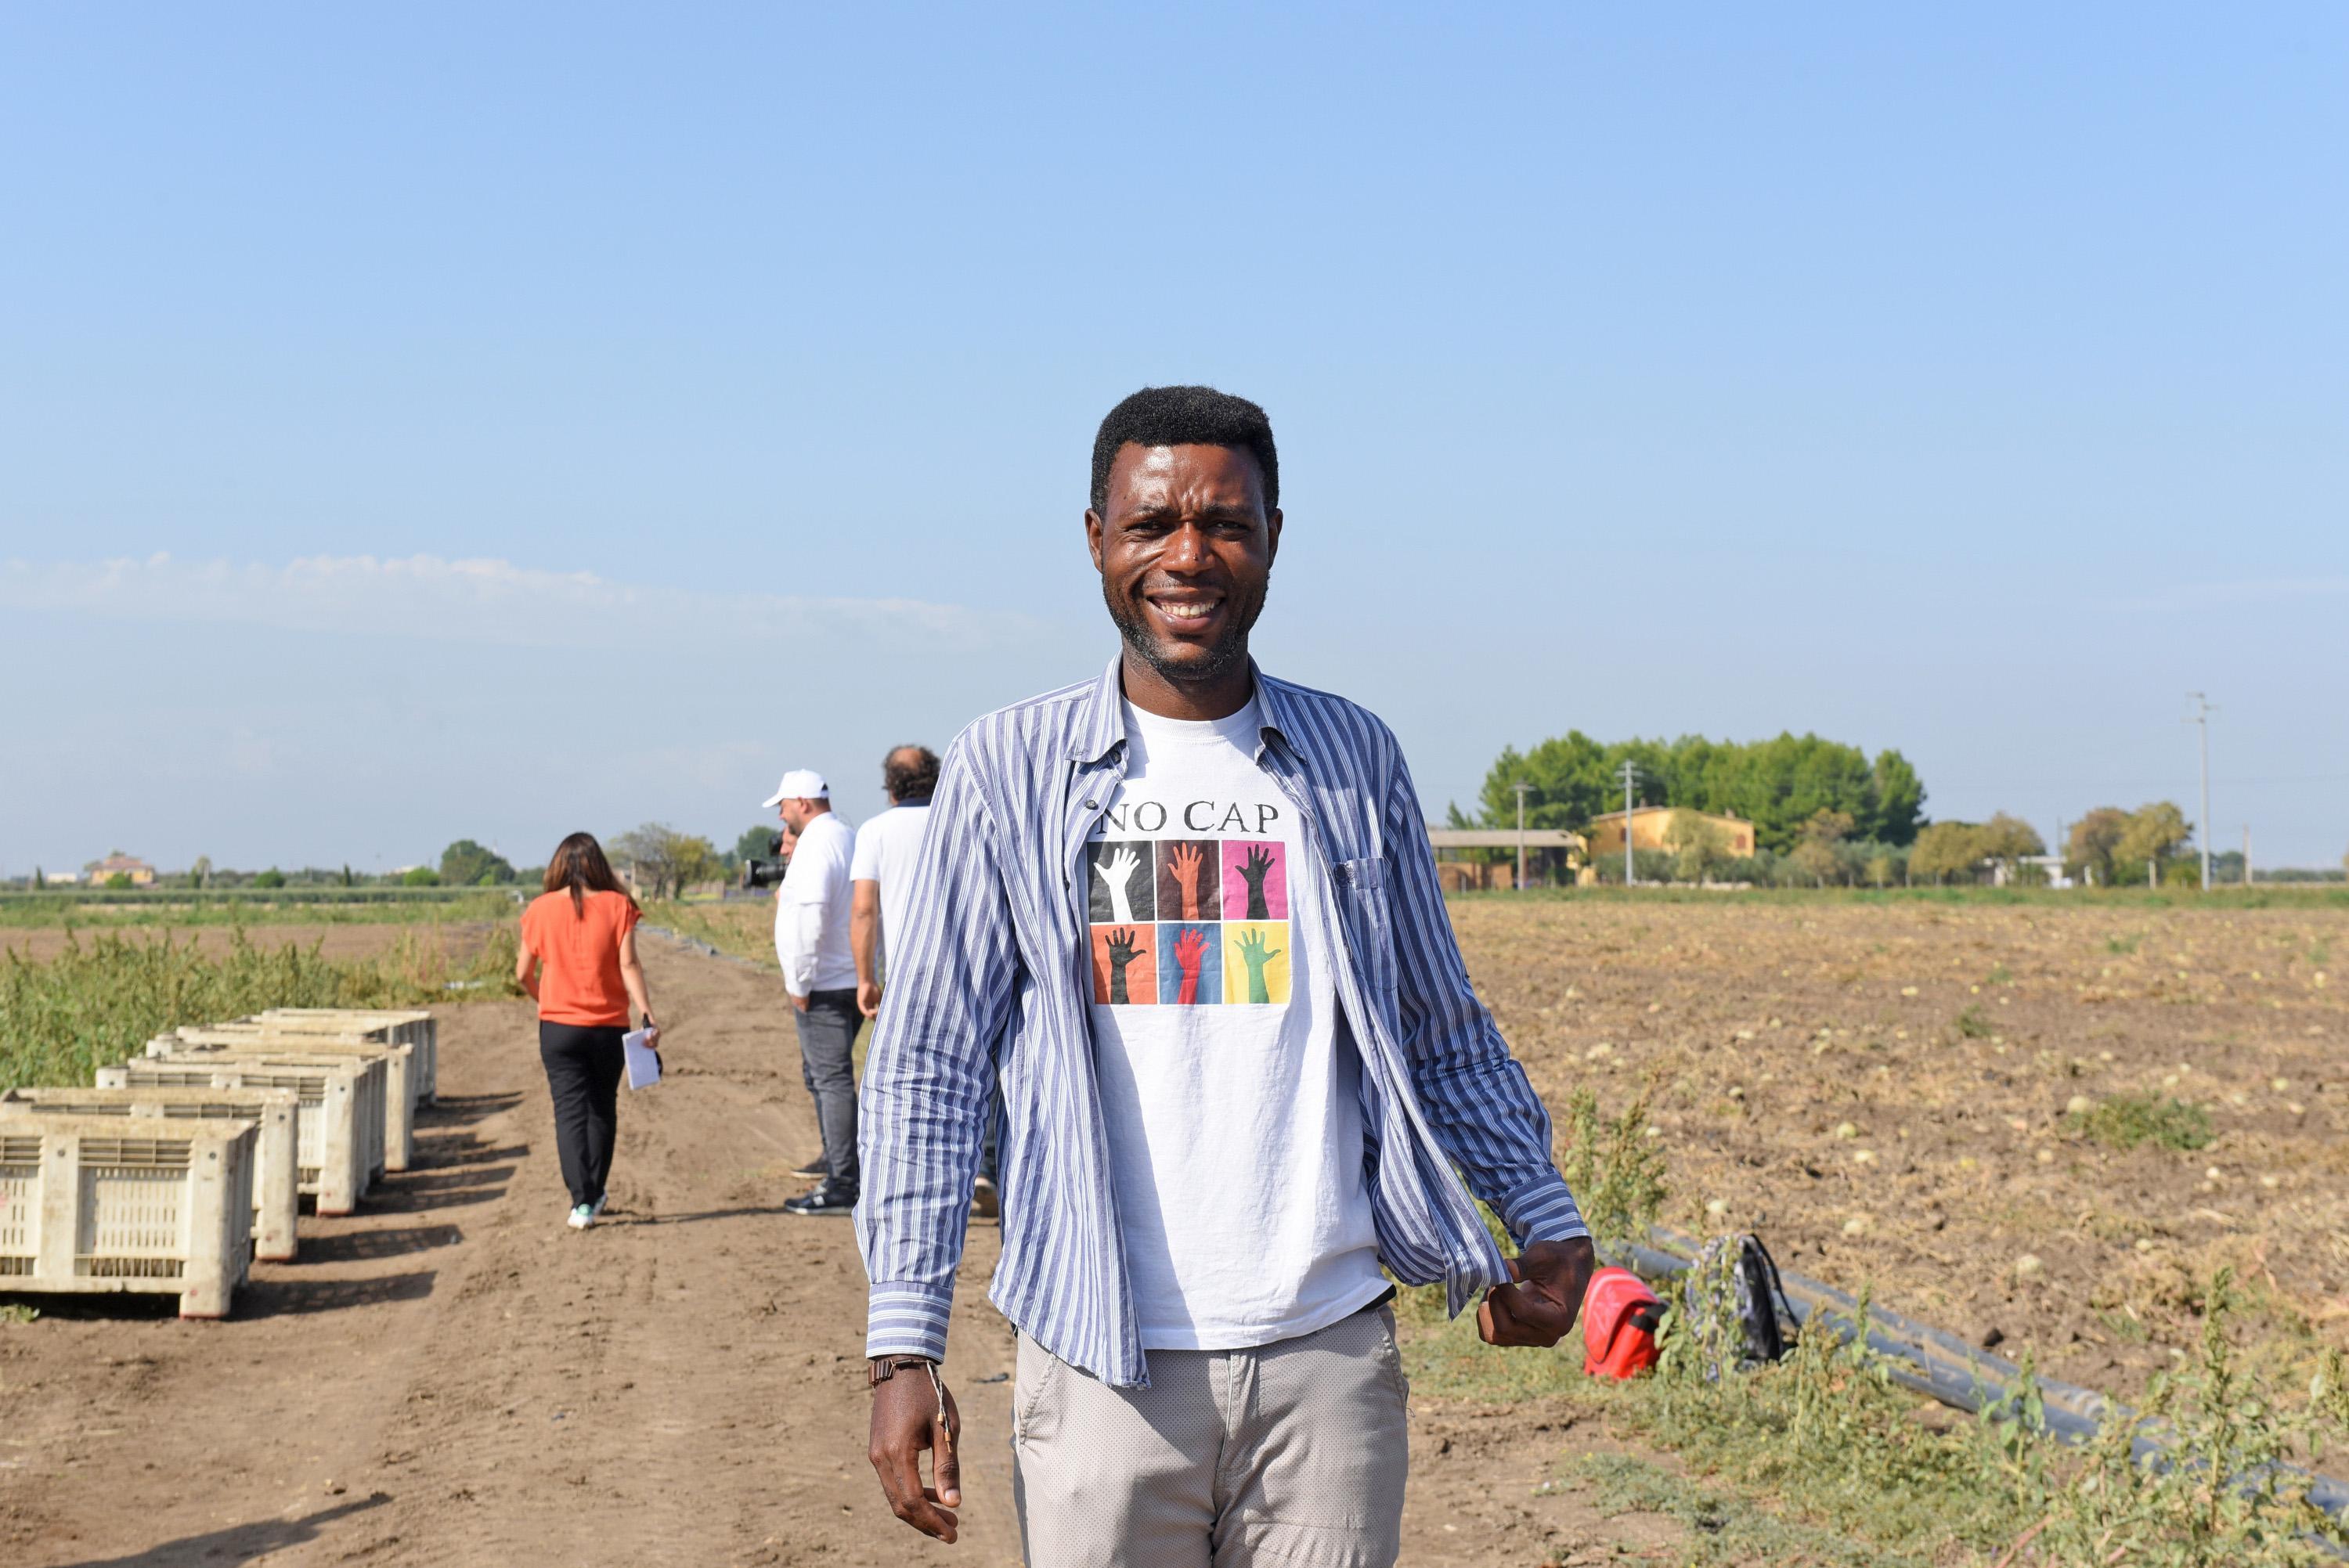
(1185, 915)
(882, 874)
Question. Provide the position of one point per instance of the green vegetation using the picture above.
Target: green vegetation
(1614, 1168)
(745, 930)
(1777, 785)
(101, 1000)
(1822, 1458)
(663, 862)
(2115, 846)
(466, 865)
(291, 906)
(2125, 1121)
(1974, 1024)
(2260, 895)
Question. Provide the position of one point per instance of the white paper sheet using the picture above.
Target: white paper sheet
(644, 1062)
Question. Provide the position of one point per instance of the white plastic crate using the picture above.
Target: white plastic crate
(275, 1112)
(338, 1114)
(399, 1070)
(412, 1026)
(102, 1204)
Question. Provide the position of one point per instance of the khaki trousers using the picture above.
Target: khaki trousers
(1288, 1453)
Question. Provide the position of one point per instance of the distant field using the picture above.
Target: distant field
(105, 909)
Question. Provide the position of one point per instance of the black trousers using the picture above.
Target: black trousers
(583, 1073)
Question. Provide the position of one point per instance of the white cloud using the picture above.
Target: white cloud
(478, 601)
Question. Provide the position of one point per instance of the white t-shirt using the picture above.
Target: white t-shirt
(886, 848)
(811, 910)
(1232, 1099)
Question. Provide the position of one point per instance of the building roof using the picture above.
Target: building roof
(119, 861)
(1503, 838)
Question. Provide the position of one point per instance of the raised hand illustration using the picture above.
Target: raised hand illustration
(1121, 952)
(1183, 860)
(1254, 953)
(1117, 874)
(1254, 869)
(1189, 948)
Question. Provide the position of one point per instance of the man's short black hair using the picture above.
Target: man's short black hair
(1186, 416)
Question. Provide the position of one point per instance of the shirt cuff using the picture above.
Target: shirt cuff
(1544, 1211)
(906, 1318)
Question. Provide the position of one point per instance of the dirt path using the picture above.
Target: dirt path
(455, 1378)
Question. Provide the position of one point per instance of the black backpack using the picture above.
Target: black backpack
(1733, 1297)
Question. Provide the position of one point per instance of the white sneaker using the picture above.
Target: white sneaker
(599, 1207)
(583, 1216)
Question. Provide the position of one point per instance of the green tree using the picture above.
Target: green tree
(1816, 854)
(41, 879)
(199, 872)
(419, 876)
(755, 844)
(1944, 847)
(664, 861)
(1778, 785)
(1899, 799)
(273, 877)
(2155, 833)
(2008, 840)
(466, 865)
(1698, 846)
(2094, 841)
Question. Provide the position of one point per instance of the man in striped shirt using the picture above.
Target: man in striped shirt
(1185, 915)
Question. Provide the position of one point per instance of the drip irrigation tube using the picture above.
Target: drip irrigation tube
(1936, 1363)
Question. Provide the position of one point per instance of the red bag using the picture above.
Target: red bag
(1619, 1319)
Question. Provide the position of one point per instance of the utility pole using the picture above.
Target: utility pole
(1630, 773)
(2247, 854)
(1521, 787)
(2200, 718)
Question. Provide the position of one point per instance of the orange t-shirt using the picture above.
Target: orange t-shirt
(580, 951)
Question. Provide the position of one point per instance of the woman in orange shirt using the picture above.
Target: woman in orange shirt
(578, 961)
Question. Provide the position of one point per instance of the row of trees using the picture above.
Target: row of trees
(1779, 785)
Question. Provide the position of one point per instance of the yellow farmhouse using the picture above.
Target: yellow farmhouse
(1653, 825)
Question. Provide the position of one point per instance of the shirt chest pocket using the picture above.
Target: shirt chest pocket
(1369, 922)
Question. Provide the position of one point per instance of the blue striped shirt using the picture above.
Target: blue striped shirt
(992, 982)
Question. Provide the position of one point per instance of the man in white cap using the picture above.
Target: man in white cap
(811, 942)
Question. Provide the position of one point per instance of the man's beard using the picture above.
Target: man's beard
(1225, 654)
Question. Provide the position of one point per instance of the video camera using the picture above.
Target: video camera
(765, 870)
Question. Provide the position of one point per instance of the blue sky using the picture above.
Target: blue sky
(449, 422)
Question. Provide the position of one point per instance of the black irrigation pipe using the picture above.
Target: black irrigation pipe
(1936, 1363)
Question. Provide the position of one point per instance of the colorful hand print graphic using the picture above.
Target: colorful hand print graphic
(1192, 976)
(1189, 923)
(1189, 875)
(1256, 880)
(1125, 972)
(1255, 962)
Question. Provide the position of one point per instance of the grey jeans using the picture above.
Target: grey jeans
(827, 1029)
(1293, 1453)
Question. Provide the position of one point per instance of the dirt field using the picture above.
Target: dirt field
(1881, 1091)
(454, 1378)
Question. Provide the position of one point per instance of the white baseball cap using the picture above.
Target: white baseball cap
(799, 784)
